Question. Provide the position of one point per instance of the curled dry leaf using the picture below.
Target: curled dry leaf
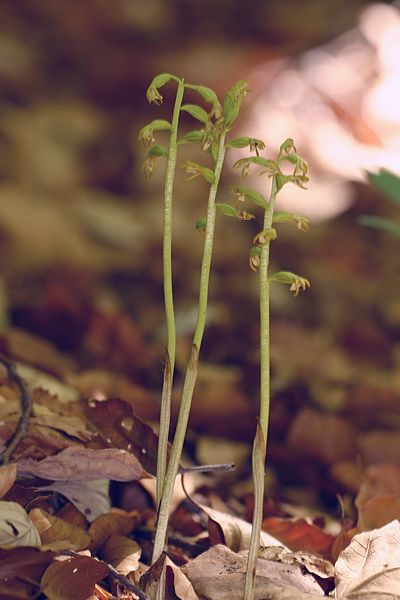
(233, 531)
(84, 464)
(16, 529)
(56, 534)
(8, 474)
(122, 553)
(314, 564)
(219, 574)
(299, 535)
(178, 582)
(113, 523)
(370, 566)
(72, 578)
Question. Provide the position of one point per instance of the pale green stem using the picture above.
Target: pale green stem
(165, 410)
(191, 373)
(260, 441)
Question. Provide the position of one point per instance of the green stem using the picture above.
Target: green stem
(191, 373)
(260, 441)
(165, 410)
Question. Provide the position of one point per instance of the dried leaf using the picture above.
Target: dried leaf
(91, 499)
(299, 535)
(113, 523)
(84, 464)
(72, 578)
(178, 582)
(117, 423)
(8, 474)
(29, 561)
(233, 531)
(122, 553)
(324, 437)
(36, 351)
(219, 574)
(16, 529)
(56, 534)
(369, 567)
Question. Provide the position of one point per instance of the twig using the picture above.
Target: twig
(26, 411)
(124, 581)
(207, 468)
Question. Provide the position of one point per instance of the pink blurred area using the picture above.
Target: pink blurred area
(340, 102)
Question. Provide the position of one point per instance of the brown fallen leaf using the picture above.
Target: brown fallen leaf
(116, 422)
(233, 531)
(377, 512)
(72, 578)
(8, 474)
(219, 574)
(117, 522)
(380, 446)
(56, 534)
(370, 565)
(84, 464)
(324, 437)
(16, 529)
(36, 351)
(299, 535)
(122, 553)
(29, 561)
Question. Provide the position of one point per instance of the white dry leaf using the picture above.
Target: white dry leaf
(236, 531)
(219, 574)
(16, 529)
(91, 498)
(369, 568)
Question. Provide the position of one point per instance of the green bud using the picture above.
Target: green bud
(265, 236)
(149, 162)
(226, 209)
(254, 258)
(233, 101)
(295, 282)
(152, 93)
(146, 134)
(201, 225)
(196, 111)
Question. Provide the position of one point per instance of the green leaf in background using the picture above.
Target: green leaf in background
(386, 182)
(380, 223)
(196, 111)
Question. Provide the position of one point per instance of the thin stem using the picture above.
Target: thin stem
(260, 441)
(21, 429)
(191, 373)
(165, 410)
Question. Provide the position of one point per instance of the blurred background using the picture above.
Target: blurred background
(80, 228)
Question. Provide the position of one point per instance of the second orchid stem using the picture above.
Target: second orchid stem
(260, 440)
(191, 373)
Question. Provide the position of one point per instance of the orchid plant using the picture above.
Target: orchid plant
(212, 133)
